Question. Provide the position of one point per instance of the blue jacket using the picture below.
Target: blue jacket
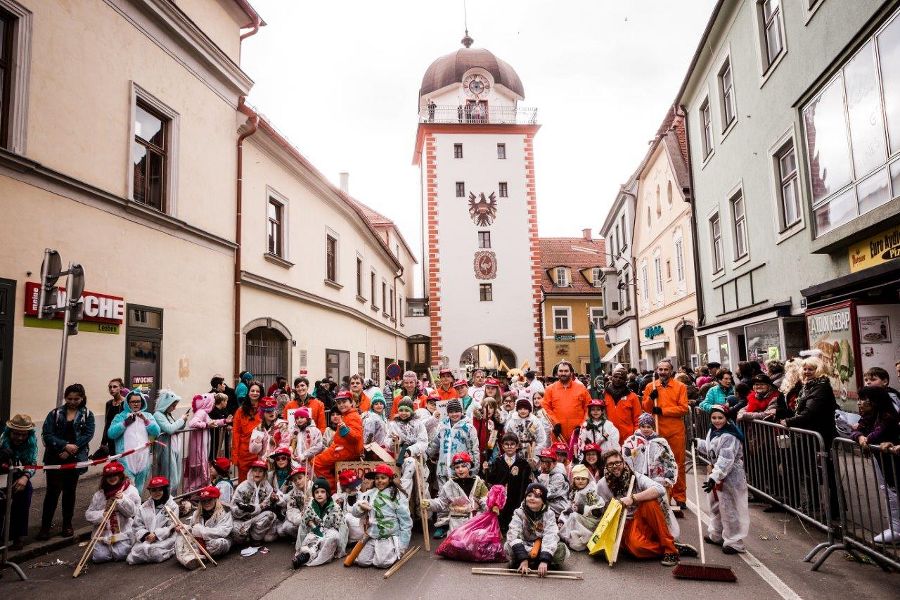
(53, 433)
(117, 427)
(716, 395)
(24, 454)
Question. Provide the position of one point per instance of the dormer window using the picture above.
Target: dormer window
(562, 277)
(596, 280)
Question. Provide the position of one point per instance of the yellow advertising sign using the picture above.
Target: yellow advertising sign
(876, 250)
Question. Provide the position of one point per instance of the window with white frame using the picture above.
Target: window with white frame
(739, 220)
(789, 185)
(679, 260)
(501, 151)
(706, 139)
(373, 278)
(715, 235)
(484, 239)
(726, 91)
(562, 277)
(503, 189)
(616, 245)
(624, 236)
(657, 272)
(852, 129)
(597, 316)
(275, 227)
(562, 318)
(384, 297)
(627, 292)
(485, 292)
(460, 189)
(331, 258)
(645, 283)
(15, 61)
(359, 277)
(772, 30)
(457, 151)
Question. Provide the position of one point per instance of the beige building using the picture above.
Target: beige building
(666, 298)
(127, 162)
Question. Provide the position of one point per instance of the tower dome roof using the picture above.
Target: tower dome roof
(450, 68)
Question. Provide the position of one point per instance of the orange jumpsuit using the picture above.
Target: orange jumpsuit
(624, 414)
(646, 534)
(316, 407)
(566, 405)
(242, 428)
(446, 394)
(343, 448)
(672, 399)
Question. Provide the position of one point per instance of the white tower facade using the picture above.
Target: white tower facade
(474, 148)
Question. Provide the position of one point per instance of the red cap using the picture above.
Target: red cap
(596, 402)
(443, 372)
(282, 451)
(210, 492)
(492, 382)
(380, 469)
(560, 447)
(298, 471)
(591, 448)
(343, 395)
(158, 482)
(549, 454)
(461, 457)
(222, 464)
(114, 468)
(268, 403)
(349, 478)
(460, 383)
(259, 464)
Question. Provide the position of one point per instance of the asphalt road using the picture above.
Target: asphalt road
(774, 569)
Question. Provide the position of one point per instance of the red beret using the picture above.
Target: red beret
(259, 464)
(114, 468)
(349, 478)
(210, 492)
(158, 482)
(461, 457)
(282, 451)
(380, 469)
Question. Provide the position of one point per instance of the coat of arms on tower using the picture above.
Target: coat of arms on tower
(482, 210)
(485, 265)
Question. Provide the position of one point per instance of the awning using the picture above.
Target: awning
(611, 355)
(655, 345)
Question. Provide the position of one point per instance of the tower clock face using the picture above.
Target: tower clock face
(476, 85)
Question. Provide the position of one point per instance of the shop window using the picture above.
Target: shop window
(143, 349)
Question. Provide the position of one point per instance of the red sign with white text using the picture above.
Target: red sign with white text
(98, 308)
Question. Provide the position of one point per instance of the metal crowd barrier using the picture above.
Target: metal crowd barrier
(867, 496)
(176, 451)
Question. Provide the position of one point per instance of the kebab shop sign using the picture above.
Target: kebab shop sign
(102, 313)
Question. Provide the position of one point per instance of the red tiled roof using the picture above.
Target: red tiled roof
(378, 221)
(576, 253)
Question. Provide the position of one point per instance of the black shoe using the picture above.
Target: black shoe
(709, 540)
(686, 550)
(67, 532)
(682, 505)
(300, 559)
(43, 535)
(669, 560)
(16, 545)
(729, 550)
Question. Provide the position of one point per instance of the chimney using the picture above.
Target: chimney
(586, 234)
(345, 182)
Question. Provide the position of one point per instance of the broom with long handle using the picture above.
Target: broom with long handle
(100, 528)
(703, 571)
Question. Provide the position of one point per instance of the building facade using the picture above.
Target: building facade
(474, 148)
(572, 286)
(662, 250)
(792, 124)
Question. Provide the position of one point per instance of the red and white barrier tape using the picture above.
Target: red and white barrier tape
(89, 463)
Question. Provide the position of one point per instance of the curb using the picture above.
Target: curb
(56, 543)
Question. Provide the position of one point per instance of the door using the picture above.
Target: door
(266, 355)
(7, 311)
(143, 350)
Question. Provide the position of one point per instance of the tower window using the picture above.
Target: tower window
(457, 151)
(460, 189)
(501, 151)
(486, 292)
(484, 239)
(504, 190)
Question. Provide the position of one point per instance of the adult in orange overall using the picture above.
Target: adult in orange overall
(565, 402)
(347, 443)
(667, 400)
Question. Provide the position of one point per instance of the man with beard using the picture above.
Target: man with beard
(667, 399)
(623, 408)
(647, 527)
(565, 402)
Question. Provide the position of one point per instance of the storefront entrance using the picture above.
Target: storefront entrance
(143, 348)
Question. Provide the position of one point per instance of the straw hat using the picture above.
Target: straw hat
(20, 423)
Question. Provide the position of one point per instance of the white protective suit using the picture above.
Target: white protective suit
(578, 522)
(730, 522)
(431, 421)
(524, 532)
(557, 484)
(117, 538)
(390, 527)
(323, 537)
(459, 507)
(641, 483)
(292, 500)
(531, 434)
(308, 443)
(150, 519)
(346, 502)
(374, 429)
(602, 432)
(251, 510)
(214, 532)
(412, 436)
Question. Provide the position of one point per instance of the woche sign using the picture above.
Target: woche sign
(98, 308)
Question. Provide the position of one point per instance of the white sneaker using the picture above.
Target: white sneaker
(888, 536)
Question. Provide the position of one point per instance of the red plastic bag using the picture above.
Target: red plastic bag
(479, 539)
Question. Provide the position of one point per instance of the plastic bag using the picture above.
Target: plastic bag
(479, 539)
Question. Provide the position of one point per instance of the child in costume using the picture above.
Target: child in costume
(117, 538)
(168, 452)
(459, 498)
(221, 479)
(346, 499)
(271, 433)
(306, 438)
(527, 427)
(648, 453)
(281, 469)
(512, 471)
(596, 429)
(727, 483)
(390, 524)
(508, 406)
(578, 522)
(347, 443)
(375, 421)
(532, 542)
(252, 506)
(591, 453)
(292, 503)
(554, 479)
(323, 532)
(407, 433)
(537, 401)
(430, 416)
(201, 425)
(489, 427)
(133, 428)
(211, 525)
(154, 530)
(455, 435)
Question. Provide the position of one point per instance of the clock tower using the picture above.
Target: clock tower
(475, 152)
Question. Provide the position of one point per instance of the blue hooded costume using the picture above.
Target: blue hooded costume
(130, 433)
(168, 458)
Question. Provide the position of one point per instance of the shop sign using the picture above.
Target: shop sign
(142, 383)
(652, 332)
(564, 337)
(831, 332)
(98, 308)
(876, 250)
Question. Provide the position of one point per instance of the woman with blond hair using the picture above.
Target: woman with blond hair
(792, 382)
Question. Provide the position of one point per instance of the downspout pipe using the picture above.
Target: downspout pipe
(254, 26)
(253, 125)
(397, 316)
(695, 238)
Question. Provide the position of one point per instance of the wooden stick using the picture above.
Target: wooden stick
(175, 518)
(622, 519)
(396, 566)
(575, 575)
(423, 512)
(354, 554)
(90, 548)
(188, 538)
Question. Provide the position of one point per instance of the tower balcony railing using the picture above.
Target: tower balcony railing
(479, 115)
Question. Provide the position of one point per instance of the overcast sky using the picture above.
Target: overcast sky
(340, 79)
